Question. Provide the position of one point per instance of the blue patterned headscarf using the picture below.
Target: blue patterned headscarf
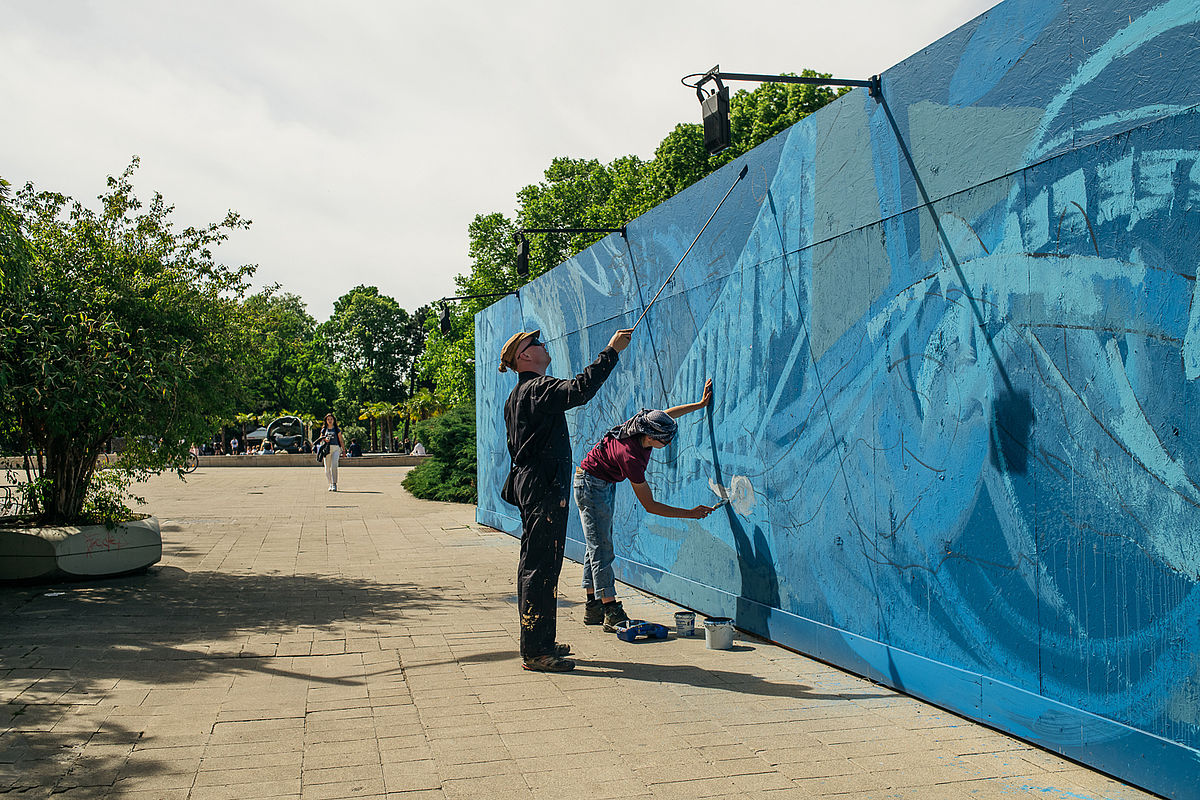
(655, 424)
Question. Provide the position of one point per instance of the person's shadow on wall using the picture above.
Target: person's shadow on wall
(760, 580)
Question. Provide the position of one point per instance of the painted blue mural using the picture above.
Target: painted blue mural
(955, 341)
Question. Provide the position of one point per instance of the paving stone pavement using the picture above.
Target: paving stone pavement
(295, 643)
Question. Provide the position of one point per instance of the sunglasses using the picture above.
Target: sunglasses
(534, 343)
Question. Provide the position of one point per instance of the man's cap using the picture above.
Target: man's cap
(508, 353)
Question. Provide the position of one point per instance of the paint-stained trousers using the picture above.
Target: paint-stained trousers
(543, 538)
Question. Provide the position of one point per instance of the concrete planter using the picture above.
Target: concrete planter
(86, 551)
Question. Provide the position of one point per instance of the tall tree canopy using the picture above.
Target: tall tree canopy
(290, 367)
(374, 344)
(14, 251)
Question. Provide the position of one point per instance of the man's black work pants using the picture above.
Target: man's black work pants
(543, 538)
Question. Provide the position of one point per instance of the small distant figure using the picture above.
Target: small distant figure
(267, 448)
(395, 445)
(331, 442)
(306, 446)
(405, 446)
(355, 449)
(233, 446)
(419, 449)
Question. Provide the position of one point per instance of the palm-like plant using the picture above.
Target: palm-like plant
(425, 404)
(243, 420)
(388, 412)
(370, 414)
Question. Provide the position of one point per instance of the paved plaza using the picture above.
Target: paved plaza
(295, 643)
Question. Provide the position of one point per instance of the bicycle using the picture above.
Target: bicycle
(190, 462)
(12, 503)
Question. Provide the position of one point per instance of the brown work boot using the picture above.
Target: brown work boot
(548, 663)
(593, 612)
(614, 615)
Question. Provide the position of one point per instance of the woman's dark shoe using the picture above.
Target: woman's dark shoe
(549, 663)
(593, 612)
(614, 615)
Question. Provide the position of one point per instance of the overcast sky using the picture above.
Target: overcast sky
(362, 137)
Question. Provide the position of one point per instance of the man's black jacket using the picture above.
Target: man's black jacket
(538, 441)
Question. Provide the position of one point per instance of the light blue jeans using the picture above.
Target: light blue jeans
(595, 497)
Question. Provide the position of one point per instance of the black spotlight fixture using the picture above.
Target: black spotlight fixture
(714, 109)
(444, 321)
(714, 104)
(522, 255)
(523, 243)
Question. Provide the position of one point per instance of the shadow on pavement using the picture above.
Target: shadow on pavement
(68, 645)
(704, 678)
(85, 764)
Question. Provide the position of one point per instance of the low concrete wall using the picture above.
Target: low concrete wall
(310, 460)
(298, 460)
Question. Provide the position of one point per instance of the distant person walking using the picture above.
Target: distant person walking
(331, 439)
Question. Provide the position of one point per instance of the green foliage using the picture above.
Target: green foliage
(449, 361)
(373, 344)
(289, 365)
(448, 474)
(352, 431)
(14, 250)
(125, 326)
(105, 499)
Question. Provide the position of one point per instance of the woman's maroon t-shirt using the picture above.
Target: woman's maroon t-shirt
(614, 460)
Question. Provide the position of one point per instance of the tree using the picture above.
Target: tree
(371, 340)
(125, 326)
(288, 368)
(379, 416)
(448, 361)
(243, 420)
(14, 250)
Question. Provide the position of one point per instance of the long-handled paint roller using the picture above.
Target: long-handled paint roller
(741, 175)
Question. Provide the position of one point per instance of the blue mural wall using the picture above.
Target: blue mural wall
(956, 348)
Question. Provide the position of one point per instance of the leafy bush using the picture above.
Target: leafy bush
(448, 473)
(106, 496)
(122, 326)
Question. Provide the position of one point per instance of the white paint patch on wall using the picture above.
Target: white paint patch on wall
(740, 493)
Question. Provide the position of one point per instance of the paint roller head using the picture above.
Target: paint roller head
(745, 169)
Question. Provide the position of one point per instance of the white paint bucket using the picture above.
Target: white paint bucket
(685, 623)
(718, 633)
